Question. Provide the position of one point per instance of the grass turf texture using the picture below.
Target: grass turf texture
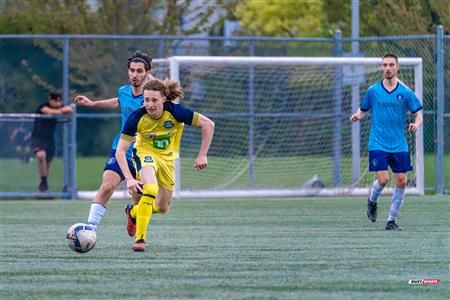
(314, 248)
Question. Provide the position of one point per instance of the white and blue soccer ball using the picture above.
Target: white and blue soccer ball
(81, 237)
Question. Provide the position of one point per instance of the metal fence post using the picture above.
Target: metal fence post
(67, 160)
(338, 113)
(251, 118)
(355, 126)
(439, 163)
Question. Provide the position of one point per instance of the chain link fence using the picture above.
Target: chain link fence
(95, 66)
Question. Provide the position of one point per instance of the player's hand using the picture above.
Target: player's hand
(201, 162)
(413, 127)
(354, 117)
(134, 185)
(83, 100)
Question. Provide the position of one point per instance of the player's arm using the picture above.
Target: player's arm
(65, 110)
(207, 127)
(357, 116)
(121, 156)
(418, 120)
(106, 103)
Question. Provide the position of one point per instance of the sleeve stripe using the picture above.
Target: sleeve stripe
(417, 110)
(126, 137)
(195, 118)
(364, 109)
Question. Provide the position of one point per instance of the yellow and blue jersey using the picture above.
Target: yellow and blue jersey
(159, 136)
(128, 104)
(387, 131)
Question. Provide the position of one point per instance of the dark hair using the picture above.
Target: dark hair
(169, 89)
(391, 56)
(56, 96)
(141, 57)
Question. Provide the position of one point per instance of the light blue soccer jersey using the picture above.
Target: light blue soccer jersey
(128, 104)
(387, 131)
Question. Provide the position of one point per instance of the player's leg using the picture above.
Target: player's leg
(41, 161)
(144, 209)
(378, 163)
(50, 152)
(110, 182)
(131, 208)
(400, 163)
(112, 176)
(166, 182)
(131, 211)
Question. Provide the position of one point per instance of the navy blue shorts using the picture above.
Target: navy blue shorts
(399, 162)
(113, 165)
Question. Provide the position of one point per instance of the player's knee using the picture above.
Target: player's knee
(41, 155)
(383, 181)
(107, 188)
(400, 183)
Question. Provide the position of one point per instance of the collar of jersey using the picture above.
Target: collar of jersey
(386, 88)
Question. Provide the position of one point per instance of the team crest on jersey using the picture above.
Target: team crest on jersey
(400, 97)
(111, 161)
(148, 159)
(168, 124)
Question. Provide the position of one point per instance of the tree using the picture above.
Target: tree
(320, 18)
(289, 18)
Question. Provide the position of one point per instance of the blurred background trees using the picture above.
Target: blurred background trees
(288, 18)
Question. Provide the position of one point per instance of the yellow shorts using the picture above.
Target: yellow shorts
(165, 169)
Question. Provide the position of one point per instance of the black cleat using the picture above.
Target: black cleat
(392, 226)
(43, 187)
(372, 210)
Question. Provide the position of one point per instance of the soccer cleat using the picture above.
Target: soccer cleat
(131, 222)
(139, 246)
(43, 187)
(372, 210)
(392, 226)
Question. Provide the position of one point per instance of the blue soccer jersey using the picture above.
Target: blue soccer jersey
(128, 104)
(387, 132)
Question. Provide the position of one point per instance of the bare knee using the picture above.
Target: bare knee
(106, 188)
(400, 182)
(383, 181)
(41, 156)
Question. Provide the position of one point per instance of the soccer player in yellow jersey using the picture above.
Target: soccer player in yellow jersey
(157, 127)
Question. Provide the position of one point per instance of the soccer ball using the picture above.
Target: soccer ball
(81, 237)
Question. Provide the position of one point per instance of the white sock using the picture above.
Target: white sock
(96, 214)
(397, 200)
(376, 191)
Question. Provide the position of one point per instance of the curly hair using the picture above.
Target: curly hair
(169, 89)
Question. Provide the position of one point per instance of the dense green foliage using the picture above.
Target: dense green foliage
(292, 18)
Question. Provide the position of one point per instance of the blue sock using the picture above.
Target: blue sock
(397, 200)
(376, 191)
(96, 214)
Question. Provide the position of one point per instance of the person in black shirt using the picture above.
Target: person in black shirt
(42, 137)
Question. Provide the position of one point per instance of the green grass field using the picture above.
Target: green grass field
(313, 248)
(230, 173)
